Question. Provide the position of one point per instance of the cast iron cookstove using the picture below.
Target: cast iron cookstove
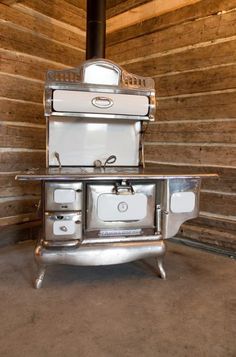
(100, 204)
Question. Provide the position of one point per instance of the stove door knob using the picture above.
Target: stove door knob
(122, 207)
(63, 228)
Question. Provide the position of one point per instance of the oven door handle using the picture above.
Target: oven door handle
(102, 102)
(124, 189)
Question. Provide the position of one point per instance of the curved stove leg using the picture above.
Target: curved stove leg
(161, 268)
(39, 279)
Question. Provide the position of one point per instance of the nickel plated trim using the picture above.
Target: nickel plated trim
(85, 176)
(74, 79)
(121, 239)
(100, 254)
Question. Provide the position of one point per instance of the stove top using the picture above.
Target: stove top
(92, 173)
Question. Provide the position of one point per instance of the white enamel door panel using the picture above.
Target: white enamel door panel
(63, 226)
(122, 207)
(80, 143)
(65, 196)
(95, 102)
(182, 202)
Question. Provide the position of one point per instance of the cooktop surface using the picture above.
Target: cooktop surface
(107, 173)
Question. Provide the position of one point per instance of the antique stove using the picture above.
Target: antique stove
(100, 204)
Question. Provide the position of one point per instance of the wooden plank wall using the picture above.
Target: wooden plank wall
(35, 35)
(191, 54)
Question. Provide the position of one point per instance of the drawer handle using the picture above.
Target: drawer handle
(102, 102)
(63, 228)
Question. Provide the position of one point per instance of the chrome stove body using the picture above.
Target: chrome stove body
(100, 204)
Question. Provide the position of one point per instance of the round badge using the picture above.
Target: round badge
(122, 207)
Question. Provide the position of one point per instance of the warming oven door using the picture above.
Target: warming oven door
(116, 209)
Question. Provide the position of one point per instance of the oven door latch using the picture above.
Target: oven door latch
(158, 219)
(125, 188)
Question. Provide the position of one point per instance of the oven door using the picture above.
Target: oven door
(120, 207)
(63, 226)
(66, 196)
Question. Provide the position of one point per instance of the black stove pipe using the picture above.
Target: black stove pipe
(96, 29)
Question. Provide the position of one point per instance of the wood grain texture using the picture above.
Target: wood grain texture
(159, 23)
(226, 182)
(14, 136)
(116, 7)
(217, 237)
(16, 111)
(82, 4)
(216, 203)
(21, 89)
(18, 205)
(192, 59)
(21, 160)
(145, 11)
(215, 79)
(17, 39)
(208, 106)
(19, 232)
(9, 2)
(216, 222)
(18, 219)
(187, 34)
(42, 26)
(193, 132)
(59, 10)
(192, 154)
(26, 66)
(10, 187)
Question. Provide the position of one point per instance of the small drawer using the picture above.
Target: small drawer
(63, 196)
(63, 226)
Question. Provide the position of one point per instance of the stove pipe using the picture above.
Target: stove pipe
(96, 29)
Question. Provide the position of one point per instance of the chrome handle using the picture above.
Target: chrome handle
(124, 189)
(102, 102)
(57, 156)
(110, 160)
(158, 219)
(63, 228)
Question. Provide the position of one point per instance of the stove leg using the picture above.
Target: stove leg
(39, 279)
(161, 268)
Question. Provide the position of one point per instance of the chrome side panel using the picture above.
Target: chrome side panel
(172, 221)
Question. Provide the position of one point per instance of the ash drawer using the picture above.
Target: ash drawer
(62, 226)
(63, 196)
